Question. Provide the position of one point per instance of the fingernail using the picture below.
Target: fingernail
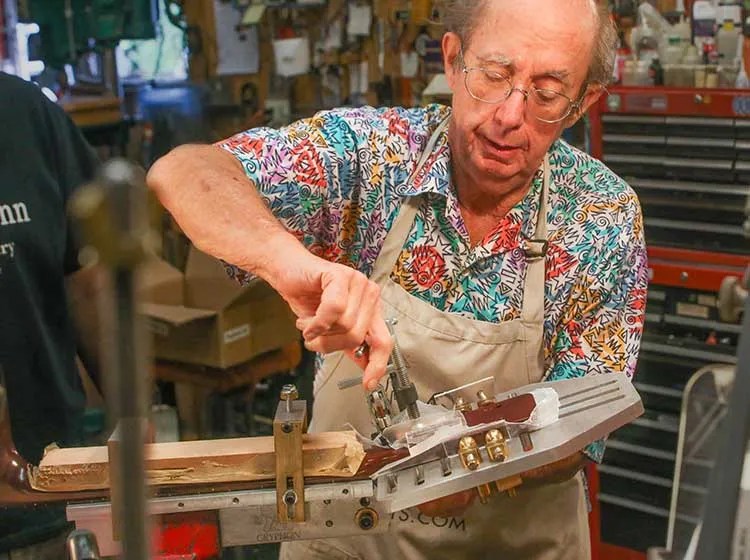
(312, 334)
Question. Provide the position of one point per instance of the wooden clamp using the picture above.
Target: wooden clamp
(289, 424)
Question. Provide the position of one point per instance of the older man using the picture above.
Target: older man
(500, 249)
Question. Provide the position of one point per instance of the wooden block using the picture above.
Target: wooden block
(289, 426)
(326, 454)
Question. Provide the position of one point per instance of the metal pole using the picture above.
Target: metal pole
(127, 192)
(113, 216)
(720, 510)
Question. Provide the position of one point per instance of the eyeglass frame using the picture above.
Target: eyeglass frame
(574, 105)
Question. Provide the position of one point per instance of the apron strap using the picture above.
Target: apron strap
(397, 235)
(536, 249)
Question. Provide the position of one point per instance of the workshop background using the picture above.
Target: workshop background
(143, 76)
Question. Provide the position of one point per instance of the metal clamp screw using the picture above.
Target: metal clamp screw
(288, 394)
(290, 499)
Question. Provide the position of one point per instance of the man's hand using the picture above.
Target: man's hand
(206, 191)
(556, 472)
(338, 308)
(450, 506)
(559, 471)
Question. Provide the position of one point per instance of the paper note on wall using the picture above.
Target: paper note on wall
(333, 39)
(360, 19)
(358, 78)
(237, 49)
(292, 56)
(409, 64)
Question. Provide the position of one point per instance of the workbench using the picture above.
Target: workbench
(195, 384)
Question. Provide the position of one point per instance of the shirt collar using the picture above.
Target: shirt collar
(435, 177)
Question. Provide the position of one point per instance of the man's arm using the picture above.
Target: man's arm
(600, 330)
(217, 206)
(76, 164)
(208, 194)
(85, 290)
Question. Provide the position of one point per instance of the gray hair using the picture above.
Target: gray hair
(462, 16)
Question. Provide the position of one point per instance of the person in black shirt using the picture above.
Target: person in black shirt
(43, 158)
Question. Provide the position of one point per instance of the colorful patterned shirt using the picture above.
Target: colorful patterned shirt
(337, 180)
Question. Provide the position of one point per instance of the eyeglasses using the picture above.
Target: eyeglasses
(493, 87)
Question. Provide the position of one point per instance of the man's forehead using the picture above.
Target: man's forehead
(505, 60)
(553, 20)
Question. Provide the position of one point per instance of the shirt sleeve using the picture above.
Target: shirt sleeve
(308, 174)
(76, 163)
(600, 331)
(329, 179)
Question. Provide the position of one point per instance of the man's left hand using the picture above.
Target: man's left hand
(449, 506)
(559, 471)
(556, 472)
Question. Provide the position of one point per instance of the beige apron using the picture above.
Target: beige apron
(444, 351)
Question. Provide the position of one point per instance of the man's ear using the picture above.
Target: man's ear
(593, 92)
(451, 45)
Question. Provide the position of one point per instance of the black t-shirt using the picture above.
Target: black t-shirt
(43, 157)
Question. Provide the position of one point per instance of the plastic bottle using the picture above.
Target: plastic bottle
(648, 44)
(682, 30)
(726, 41)
(692, 63)
(623, 54)
(743, 81)
(643, 74)
(629, 75)
(746, 48)
(674, 50)
(691, 56)
(704, 22)
(728, 9)
(656, 73)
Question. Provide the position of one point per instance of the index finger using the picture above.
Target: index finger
(380, 342)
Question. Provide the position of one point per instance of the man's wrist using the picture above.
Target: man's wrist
(280, 251)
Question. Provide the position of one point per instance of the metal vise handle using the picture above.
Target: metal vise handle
(82, 545)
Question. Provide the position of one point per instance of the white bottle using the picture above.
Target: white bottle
(674, 50)
(704, 22)
(683, 31)
(729, 10)
(727, 39)
(691, 57)
(647, 46)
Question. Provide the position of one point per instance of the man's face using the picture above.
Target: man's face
(545, 44)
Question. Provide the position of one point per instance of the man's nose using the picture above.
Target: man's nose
(512, 112)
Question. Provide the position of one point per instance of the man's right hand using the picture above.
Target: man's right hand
(338, 308)
(208, 194)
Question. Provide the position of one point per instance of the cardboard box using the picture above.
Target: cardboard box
(203, 317)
